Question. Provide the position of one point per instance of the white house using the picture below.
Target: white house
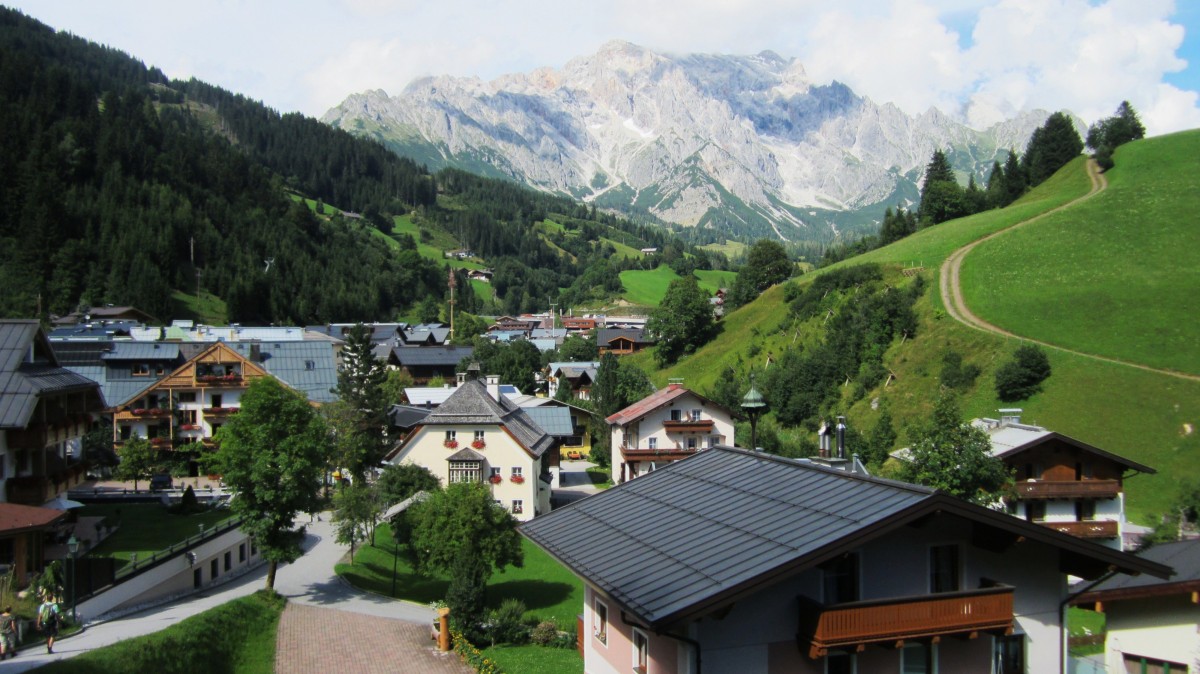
(1152, 623)
(479, 435)
(665, 426)
(740, 561)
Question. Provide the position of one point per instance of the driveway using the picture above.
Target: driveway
(574, 482)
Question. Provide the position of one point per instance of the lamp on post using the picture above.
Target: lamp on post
(73, 547)
(753, 405)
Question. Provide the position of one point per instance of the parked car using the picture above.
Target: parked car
(161, 481)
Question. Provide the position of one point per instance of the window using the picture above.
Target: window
(451, 436)
(943, 568)
(676, 415)
(840, 579)
(212, 569)
(159, 370)
(691, 444)
(478, 436)
(518, 471)
(494, 471)
(641, 651)
(1010, 654)
(464, 471)
(217, 399)
(600, 622)
(695, 416)
(1137, 664)
(713, 441)
(1085, 511)
(918, 659)
(228, 561)
(242, 552)
(310, 365)
(518, 506)
(1035, 511)
(140, 370)
(840, 663)
(652, 442)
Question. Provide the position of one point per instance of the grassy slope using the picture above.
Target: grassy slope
(647, 288)
(1115, 276)
(1127, 411)
(714, 280)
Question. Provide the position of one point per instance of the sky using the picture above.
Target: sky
(982, 59)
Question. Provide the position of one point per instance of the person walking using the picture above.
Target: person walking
(8, 634)
(48, 619)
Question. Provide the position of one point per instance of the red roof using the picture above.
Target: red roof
(648, 404)
(15, 518)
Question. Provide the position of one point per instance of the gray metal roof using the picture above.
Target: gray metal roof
(142, 351)
(407, 416)
(554, 420)
(701, 533)
(431, 356)
(471, 404)
(30, 370)
(1183, 556)
(307, 366)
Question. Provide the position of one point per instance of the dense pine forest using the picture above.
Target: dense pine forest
(118, 185)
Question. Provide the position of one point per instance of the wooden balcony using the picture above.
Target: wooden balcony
(1086, 529)
(665, 454)
(891, 621)
(687, 426)
(34, 490)
(1068, 489)
(219, 411)
(219, 380)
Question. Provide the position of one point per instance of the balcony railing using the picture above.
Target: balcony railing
(663, 454)
(1086, 529)
(687, 426)
(214, 411)
(34, 490)
(219, 379)
(893, 620)
(1069, 489)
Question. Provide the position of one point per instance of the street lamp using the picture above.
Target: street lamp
(73, 547)
(753, 405)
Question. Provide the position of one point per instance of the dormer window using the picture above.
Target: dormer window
(141, 370)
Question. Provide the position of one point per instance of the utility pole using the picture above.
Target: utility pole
(452, 283)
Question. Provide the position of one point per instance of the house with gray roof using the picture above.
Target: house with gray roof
(733, 560)
(1150, 623)
(424, 363)
(478, 435)
(45, 409)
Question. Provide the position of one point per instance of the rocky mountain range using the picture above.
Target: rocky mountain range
(740, 145)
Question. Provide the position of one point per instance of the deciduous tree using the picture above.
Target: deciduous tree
(138, 459)
(954, 457)
(1022, 376)
(271, 458)
(682, 322)
(767, 263)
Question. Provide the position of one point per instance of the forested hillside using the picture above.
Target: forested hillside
(118, 185)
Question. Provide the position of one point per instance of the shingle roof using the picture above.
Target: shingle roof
(703, 532)
(471, 404)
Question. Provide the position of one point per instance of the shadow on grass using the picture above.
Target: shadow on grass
(535, 594)
(409, 585)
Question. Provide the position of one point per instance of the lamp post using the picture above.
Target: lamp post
(73, 547)
(753, 405)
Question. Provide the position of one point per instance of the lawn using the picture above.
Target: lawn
(207, 308)
(1115, 276)
(235, 637)
(647, 288)
(549, 591)
(535, 659)
(146, 528)
(714, 280)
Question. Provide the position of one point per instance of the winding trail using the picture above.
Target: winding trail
(950, 285)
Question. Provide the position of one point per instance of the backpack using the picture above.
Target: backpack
(48, 612)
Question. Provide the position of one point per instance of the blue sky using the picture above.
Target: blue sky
(979, 59)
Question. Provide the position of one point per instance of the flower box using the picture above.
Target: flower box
(518, 479)
(451, 444)
(479, 444)
(158, 441)
(138, 411)
(495, 479)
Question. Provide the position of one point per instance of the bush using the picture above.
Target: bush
(188, 505)
(505, 625)
(547, 634)
(955, 374)
(1022, 376)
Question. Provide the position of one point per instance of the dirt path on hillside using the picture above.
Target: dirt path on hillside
(952, 296)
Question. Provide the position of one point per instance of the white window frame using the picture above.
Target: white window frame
(495, 471)
(652, 442)
(692, 443)
(676, 415)
(479, 435)
(695, 415)
(464, 471)
(640, 652)
(451, 435)
(599, 622)
(518, 506)
(518, 471)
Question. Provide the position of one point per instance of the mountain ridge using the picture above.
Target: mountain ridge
(746, 145)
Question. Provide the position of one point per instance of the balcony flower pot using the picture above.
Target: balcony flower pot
(451, 444)
(138, 411)
(479, 444)
(495, 479)
(518, 479)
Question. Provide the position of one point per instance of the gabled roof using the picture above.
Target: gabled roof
(307, 366)
(470, 404)
(1182, 556)
(704, 532)
(407, 416)
(431, 356)
(1010, 440)
(16, 518)
(605, 336)
(553, 420)
(30, 370)
(659, 398)
(142, 351)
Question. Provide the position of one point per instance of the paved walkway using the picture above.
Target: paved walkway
(574, 481)
(308, 583)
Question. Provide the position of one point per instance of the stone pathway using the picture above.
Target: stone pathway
(321, 640)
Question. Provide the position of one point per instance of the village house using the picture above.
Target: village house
(1151, 623)
(622, 341)
(45, 410)
(578, 376)
(479, 435)
(1061, 482)
(668, 425)
(733, 560)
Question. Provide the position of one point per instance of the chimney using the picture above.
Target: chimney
(460, 378)
(493, 386)
(1010, 416)
(841, 437)
(823, 438)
